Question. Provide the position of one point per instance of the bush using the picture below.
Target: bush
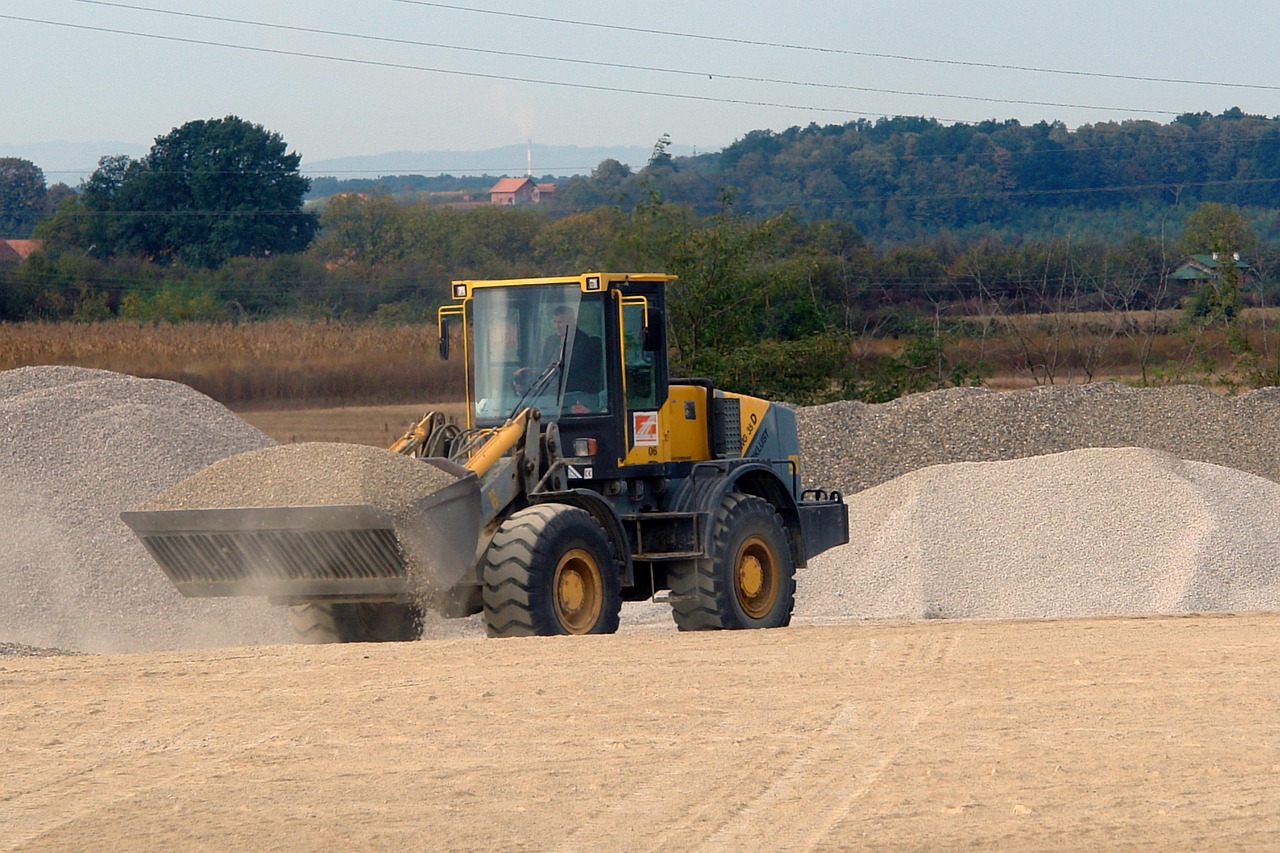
(172, 303)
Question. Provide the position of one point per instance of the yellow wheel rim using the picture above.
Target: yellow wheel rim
(578, 592)
(756, 577)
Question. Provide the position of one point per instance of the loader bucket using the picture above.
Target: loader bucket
(325, 551)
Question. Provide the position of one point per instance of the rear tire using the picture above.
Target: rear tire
(551, 569)
(750, 579)
(363, 622)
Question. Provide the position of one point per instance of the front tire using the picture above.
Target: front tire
(551, 569)
(750, 579)
(363, 622)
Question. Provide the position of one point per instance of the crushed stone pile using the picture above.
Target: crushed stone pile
(77, 446)
(16, 650)
(311, 473)
(1059, 501)
(1114, 531)
(857, 445)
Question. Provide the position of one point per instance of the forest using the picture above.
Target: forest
(907, 178)
(863, 260)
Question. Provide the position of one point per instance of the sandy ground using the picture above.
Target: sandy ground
(1152, 734)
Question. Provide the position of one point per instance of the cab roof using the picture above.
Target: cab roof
(590, 282)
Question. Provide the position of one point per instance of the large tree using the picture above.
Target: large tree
(207, 191)
(22, 197)
(1221, 228)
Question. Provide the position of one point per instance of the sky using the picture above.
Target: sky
(338, 78)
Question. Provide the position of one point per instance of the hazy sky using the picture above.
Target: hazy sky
(341, 77)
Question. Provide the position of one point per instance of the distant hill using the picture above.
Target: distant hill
(72, 162)
(557, 160)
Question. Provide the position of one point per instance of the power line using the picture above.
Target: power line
(808, 201)
(311, 172)
(710, 75)
(839, 51)
(431, 70)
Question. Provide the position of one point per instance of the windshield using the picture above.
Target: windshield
(539, 346)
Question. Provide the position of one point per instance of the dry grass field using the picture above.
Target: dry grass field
(376, 426)
(324, 364)
(269, 364)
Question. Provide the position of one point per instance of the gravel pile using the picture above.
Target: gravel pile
(77, 446)
(325, 474)
(1083, 506)
(16, 650)
(309, 474)
(857, 445)
(966, 503)
(1098, 532)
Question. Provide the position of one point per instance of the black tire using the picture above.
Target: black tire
(550, 569)
(750, 579)
(380, 622)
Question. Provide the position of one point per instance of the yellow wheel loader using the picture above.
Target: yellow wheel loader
(585, 476)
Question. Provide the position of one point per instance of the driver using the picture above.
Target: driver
(583, 359)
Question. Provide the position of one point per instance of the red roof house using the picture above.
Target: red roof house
(16, 250)
(514, 191)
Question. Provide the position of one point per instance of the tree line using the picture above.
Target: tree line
(778, 301)
(905, 178)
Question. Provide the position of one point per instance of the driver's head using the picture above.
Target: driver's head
(562, 319)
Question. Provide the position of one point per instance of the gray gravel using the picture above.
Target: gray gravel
(306, 474)
(16, 650)
(77, 446)
(965, 503)
(1041, 530)
(852, 446)
(1113, 531)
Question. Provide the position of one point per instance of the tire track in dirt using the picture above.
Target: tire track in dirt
(92, 787)
(844, 762)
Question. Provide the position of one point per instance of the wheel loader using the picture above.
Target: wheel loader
(584, 477)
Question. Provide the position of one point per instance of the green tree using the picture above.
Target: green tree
(1224, 232)
(1221, 228)
(363, 230)
(22, 197)
(660, 156)
(207, 191)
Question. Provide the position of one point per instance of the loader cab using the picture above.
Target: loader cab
(585, 351)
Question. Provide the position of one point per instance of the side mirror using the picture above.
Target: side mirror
(655, 334)
(444, 342)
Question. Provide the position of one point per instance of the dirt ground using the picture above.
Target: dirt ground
(1116, 734)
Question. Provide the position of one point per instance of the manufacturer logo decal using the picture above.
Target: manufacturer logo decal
(644, 426)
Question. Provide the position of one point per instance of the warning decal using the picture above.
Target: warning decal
(644, 425)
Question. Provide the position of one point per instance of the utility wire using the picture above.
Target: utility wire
(839, 51)
(710, 75)
(807, 201)
(431, 70)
